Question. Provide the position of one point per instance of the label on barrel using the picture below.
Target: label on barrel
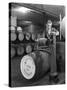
(27, 67)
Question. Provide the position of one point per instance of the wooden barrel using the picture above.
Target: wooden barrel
(13, 36)
(13, 52)
(13, 33)
(28, 35)
(19, 29)
(20, 36)
(20, 50)
(34, 66)
(12, 28)
(28, 49)
(33, 36)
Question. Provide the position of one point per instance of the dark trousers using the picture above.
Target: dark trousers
(52, 61)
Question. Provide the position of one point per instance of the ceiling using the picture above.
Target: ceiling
(54, 10)
(39, 12)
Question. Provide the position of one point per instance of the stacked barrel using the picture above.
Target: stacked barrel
(27, 36)
(13, 34)
(13, 37)
(20, 38)
(20, 34)
(21, 41)
(13, 51)
(28, 48)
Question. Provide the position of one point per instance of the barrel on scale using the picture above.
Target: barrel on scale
(34, 66)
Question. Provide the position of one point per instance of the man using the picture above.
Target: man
(51, 35)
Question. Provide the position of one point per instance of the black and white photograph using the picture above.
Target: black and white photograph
(36, 44)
